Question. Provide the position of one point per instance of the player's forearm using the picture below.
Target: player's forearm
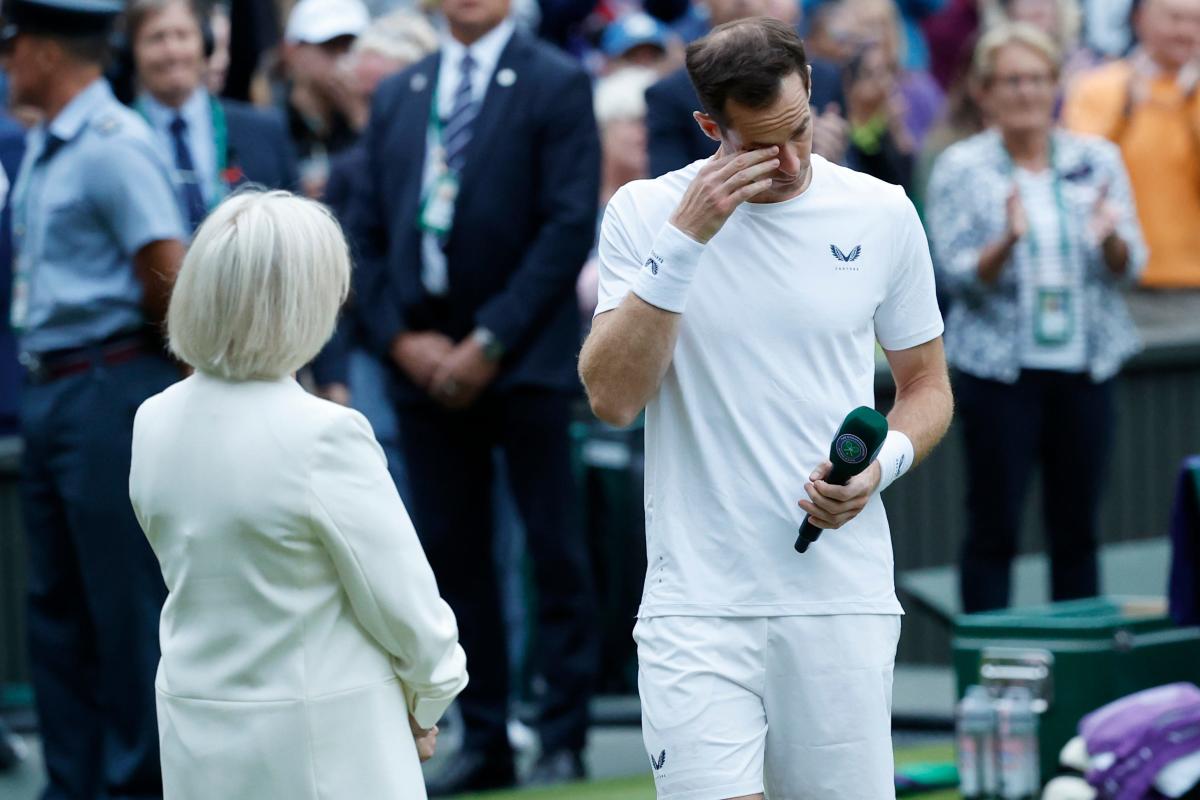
(625, 357)
(922, 412)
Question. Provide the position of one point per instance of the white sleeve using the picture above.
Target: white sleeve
(619, 256)
(909, 315)
(361, 520)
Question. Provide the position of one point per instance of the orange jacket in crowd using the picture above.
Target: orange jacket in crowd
(1160, 140)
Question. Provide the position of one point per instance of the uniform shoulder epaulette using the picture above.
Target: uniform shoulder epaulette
(107, 124)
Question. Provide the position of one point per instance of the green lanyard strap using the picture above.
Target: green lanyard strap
(220, 137)
(435, 121)
(1060, 206)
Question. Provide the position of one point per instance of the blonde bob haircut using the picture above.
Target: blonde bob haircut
(260, 289)
(1003, 34)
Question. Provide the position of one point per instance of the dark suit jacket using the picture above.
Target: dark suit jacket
(346, 168)
(524, 221)
(12, 148)
(259, 146)
(675, 140)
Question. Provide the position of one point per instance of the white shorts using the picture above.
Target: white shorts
(798, 706)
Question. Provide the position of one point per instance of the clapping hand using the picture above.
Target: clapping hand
(1189, 76)
(1018, 223)
(1103, 228)
(1145, 70)
(1105, 217)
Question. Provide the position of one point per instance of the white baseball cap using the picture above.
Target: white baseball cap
(319, 21)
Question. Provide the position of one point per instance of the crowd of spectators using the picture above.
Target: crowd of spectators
(1053, 147)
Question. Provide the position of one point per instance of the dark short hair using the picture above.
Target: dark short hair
(87, 49)
(745, 61)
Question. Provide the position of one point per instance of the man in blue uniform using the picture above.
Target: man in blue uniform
(98, 239)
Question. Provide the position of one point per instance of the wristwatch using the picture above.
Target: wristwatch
(493, 349)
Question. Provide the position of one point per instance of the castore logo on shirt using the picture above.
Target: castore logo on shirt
(847, 257)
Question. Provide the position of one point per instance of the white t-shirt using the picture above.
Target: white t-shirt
(775, 347)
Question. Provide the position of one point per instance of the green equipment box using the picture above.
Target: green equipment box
(1075, 656)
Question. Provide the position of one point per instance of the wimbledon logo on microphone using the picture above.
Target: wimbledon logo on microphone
(850, 448)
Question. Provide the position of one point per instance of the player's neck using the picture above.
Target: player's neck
(1027, 148)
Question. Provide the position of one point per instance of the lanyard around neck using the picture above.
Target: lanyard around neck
(435, 117)
(1060, 205)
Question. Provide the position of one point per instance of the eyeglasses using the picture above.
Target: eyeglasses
(1015, 82)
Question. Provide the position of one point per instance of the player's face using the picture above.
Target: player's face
(787, 124)
(169, 52)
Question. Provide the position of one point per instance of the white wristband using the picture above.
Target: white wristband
(895, 458)
(669, 269)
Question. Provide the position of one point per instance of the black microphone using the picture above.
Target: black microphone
(854, 448)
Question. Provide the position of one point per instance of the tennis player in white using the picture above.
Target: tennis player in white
(740, 301)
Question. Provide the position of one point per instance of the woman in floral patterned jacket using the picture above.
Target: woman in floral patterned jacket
(1033, 233)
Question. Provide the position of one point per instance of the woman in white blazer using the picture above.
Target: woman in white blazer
(305, 651)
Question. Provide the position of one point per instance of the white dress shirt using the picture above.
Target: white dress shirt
(486, 53)
(201, 141)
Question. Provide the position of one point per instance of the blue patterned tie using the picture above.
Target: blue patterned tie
(189, 180)
(456, 133)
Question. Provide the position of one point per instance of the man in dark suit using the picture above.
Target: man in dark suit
(12, 148)
(675, 140)
(477, 212)
(216, 144)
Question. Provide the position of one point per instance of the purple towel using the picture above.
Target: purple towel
(1144, 732)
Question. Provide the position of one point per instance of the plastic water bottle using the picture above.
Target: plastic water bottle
(1017, 724)
(975, 738)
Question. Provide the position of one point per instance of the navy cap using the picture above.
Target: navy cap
(59, 17)
(627, 32)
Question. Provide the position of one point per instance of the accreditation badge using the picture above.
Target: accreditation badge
(1054, 320)
(437, 209)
